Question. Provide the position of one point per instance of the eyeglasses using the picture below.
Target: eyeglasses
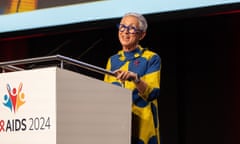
(130, 29)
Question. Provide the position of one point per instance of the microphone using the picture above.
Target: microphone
(89, 48)
(93, 45)
(54, 51)
(66, 42)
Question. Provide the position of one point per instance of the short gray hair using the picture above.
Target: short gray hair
(141, 19)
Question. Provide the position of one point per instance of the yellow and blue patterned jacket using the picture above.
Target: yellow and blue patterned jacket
(145, 122)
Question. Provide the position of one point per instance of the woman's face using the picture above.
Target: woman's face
(129, 40)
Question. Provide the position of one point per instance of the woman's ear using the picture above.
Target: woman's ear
(142, 35)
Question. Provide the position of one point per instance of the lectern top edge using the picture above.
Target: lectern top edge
(10, 65)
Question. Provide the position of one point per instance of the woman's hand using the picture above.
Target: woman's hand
(125, 75)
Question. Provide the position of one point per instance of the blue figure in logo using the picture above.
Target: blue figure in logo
(7, 101)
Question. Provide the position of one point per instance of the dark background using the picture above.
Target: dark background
(200, 52)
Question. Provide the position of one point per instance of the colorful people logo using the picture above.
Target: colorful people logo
(15, 98)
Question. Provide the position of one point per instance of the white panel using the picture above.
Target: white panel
(91, 111)
(60, 106)
(34, 121)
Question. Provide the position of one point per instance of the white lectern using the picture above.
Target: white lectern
(57, 106)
